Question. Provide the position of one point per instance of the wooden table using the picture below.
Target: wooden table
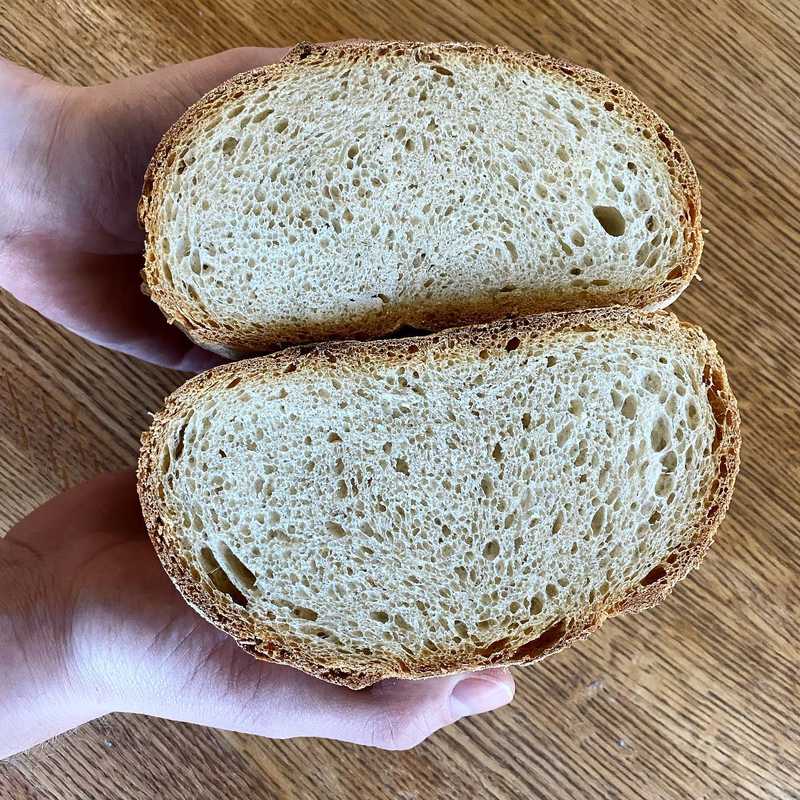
(698, 699)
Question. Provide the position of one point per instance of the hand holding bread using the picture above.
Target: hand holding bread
(555, 453)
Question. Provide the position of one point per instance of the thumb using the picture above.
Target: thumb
(129, 117)
(179, 85)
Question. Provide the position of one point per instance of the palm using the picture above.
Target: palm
(114, 595)
(134, 644)
(73, 161)
(126, 620)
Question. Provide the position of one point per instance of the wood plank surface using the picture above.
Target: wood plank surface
(698, 699)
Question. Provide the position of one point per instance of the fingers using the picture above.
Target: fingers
(392, 715)
(196, 359)
(397, 715)
(99, 298)
(235, 692)
(84, 274)
(128, 118)
(68, 526)
(126, 320)
(189, 81)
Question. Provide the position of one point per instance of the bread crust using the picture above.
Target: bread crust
(243, 338)
(219, 609)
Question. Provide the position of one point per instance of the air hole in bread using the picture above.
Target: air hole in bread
(179, 437)
(544, 641)
(574, 121)
(166, 459)
(660, 434)
(669, 461)
(629, 406)
(675, 273)
(401, 465)
(261, 115)
(652, 382)
(220, 578)
(576, 407)
(494, 648)
(335, 530)
(512, 251)
(599, 520)
(577, 238)
(610, 219)
(491, 550)
(655, 575)
(237, 569)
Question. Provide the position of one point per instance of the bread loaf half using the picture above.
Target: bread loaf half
(477, 497)
(352, 190)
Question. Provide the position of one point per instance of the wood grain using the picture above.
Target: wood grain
(698, 699)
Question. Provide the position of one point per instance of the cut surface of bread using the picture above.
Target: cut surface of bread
(351, 190)
(476, 497)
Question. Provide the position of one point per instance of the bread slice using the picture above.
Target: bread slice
(477, 497)
(352, 190)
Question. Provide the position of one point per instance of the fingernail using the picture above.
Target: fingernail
(476, 695)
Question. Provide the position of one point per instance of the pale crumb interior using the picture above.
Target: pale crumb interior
(361, 188)
(469, 496)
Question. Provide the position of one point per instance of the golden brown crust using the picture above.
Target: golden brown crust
(220, 609)
(242, 339)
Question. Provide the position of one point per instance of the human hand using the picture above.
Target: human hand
(94, 626)
(72, 162)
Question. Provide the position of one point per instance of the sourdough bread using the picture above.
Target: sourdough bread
(477, 497)
(351, 190)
